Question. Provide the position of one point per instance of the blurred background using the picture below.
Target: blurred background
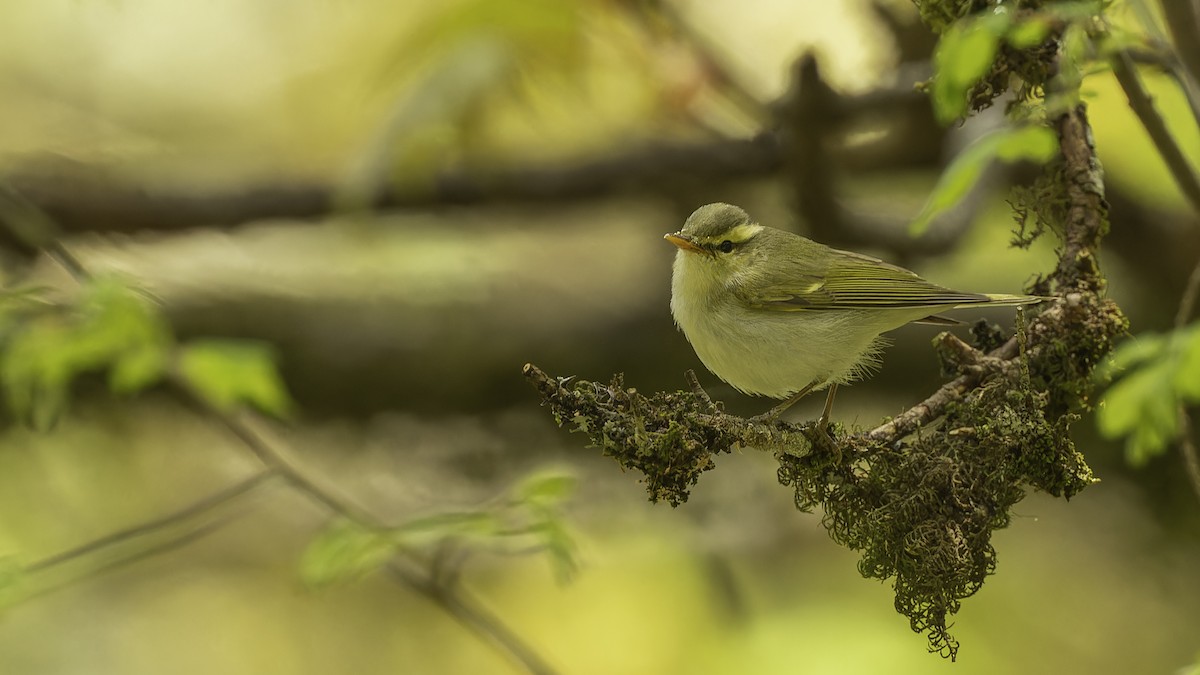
(412, 200)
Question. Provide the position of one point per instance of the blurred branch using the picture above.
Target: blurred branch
(1143, 106)
(166, 545)
(80, 201)
(710, 55)
(80, 204)
(452, 599)
(190, 512)
(31, 229)
(1183, 20)
(1179, 55)
(167, 533)
(1187, 448)
(471, 614)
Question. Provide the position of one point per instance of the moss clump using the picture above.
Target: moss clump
(922, 511)
(658, 436)
(1069, 351)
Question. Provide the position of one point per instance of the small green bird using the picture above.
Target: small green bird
(778, 315)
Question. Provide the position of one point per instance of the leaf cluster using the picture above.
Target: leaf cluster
(921, 510)
(1154, 374)
(111, 328)
(987, 47)
(528, 518)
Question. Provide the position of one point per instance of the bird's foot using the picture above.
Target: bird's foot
(826, 440)
(698, 390)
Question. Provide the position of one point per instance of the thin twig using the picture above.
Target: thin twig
(1183, 20)
(240, 425)
(1187, 447)
(1181, 59)
(1187, 303)
(471, 614)
(198, 508)
(1143, 106)
(171, 544)
(452, 599)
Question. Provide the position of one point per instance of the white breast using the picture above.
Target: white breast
(771, 353)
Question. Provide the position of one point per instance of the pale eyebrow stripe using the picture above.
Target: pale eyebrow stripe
(743, 232)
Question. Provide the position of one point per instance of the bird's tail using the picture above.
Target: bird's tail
(1005, 300)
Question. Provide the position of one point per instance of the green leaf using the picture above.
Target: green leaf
(556, 540)
(1131, 352)
(137, 369)
(1142, 406)
(1075, 48)
(964, 55)
(1028, 33)
(110, 326)
(434, 529)
(1011, 144)
(546, 489)
(345, 551)
(231, 373)
(1034, 144)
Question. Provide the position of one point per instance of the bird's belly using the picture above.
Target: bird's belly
(773, 354)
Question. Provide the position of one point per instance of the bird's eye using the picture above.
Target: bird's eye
(725, 246)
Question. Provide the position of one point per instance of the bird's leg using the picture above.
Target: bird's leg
(822, 424)
(698, 390)
(824, 421)
(774, 413)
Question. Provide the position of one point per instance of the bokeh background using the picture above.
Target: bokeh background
(225, 156)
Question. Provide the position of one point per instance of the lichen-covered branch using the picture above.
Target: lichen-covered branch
(671, 438)
(920, 494)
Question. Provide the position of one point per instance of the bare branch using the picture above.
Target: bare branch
(1187, 447)
(190, 512)
(452, 599)
(1143, 106)
(469, 612)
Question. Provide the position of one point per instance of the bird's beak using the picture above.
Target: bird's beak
(684, 243)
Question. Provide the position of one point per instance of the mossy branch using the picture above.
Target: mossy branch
(920, 494)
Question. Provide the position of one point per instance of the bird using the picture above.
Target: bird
(775, 314)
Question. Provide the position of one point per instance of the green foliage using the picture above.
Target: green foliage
(528, 518)
(1030, 143)
(114, 328)
(230, 373)
(1029, 33)
(985, 45)
(964, 55)
(345, 551)
(46, 346)
(921, 512)
(1155, 375)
